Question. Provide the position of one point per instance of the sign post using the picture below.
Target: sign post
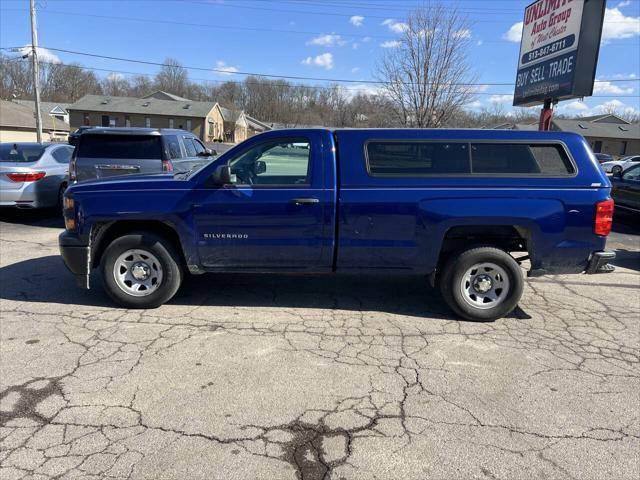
(558, 53)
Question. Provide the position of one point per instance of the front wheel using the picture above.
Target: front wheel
(141, 270)
(616, 170)
(482, 284)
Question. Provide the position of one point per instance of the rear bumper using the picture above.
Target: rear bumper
(599, 262)
(41, 194)
(76, 257)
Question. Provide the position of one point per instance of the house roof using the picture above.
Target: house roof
(605, 118)
(15, 115)
(45, 107)
(586, 128)
(143, 106)
(229, 115)
(162, 95)
(255, 123)
(517, 126)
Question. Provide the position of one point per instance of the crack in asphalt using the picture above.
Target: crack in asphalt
(81, 399)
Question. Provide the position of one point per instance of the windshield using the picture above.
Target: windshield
(21, 153)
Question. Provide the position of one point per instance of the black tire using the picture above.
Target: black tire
(616, 169)
(60, 205)
(170, 261)
(454, 270)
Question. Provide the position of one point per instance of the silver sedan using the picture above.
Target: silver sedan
(33, 175)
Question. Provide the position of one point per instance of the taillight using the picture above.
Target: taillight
(72, 169)
(25, 177)
(167, 166)
(604, 217)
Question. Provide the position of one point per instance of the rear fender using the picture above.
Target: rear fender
(540, 221)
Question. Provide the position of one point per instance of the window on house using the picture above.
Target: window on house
(623, 148)
(417, 158)
(86, 120)
(127, 121)
(189, 124)
(147, 122)
(211, 129)
(171, 123)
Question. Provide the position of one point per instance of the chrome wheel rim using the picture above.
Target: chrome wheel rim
(137, 272)
(485, 285)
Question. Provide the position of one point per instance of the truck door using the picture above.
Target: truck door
(277, 214)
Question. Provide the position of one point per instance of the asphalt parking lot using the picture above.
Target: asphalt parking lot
(251, 377)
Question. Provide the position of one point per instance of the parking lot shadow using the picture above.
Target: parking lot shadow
(627, 259)
(46, 280)
(47, 217)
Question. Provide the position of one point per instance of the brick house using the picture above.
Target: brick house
(209, 121)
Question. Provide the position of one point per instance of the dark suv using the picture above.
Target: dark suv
(104, 152)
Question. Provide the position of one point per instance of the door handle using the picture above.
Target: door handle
(304, 201)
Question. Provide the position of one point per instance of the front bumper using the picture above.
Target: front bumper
(77, 257)
(599, 262)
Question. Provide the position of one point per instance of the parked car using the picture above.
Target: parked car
(75, 135)
(619, 166)
(603, 157)
(626, 189)
(105, 151)
(450, 204)
(33, 175)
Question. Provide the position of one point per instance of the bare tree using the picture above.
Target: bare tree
(116, 84)
(15, 78)
(172, 77)
(141, 85)
(428, 75)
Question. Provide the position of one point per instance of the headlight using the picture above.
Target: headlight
(70, 223)
(69, 213)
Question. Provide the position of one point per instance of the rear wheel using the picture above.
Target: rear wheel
(141, 270)
(616, 169)
(482, 284)
(60, 205)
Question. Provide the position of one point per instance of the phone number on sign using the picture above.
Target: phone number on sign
(554, 47)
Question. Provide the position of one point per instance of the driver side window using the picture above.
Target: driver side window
(274, 163)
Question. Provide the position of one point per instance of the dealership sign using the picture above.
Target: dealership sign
(559, 50)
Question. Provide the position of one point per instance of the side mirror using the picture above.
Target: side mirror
(212, 152)
(259, 167)
(222, 175)
(617, 175)
(207, 153)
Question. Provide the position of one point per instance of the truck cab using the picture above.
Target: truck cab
(462, 207)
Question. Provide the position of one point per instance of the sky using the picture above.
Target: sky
(333, 39)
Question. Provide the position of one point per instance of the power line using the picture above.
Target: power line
(217, 70)
(307, 12)
(323, 87)
(209, 25)
(269, 75)
(361, 36)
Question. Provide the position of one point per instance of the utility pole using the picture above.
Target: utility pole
(36, 75)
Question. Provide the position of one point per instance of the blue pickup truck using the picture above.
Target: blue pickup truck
(454, 205)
